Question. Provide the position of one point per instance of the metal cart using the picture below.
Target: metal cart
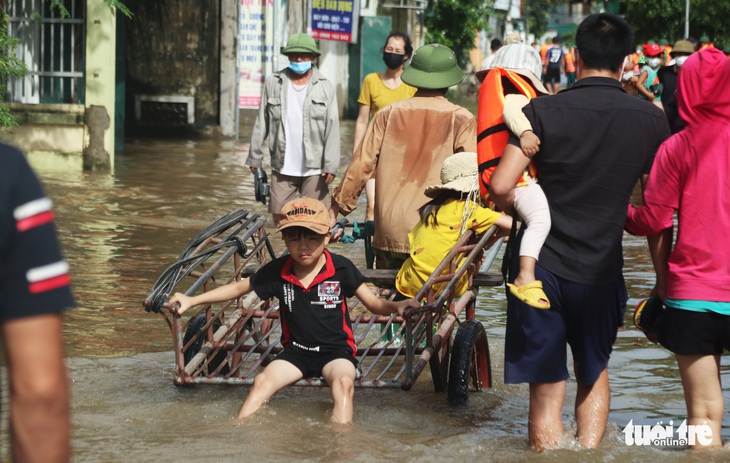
(230, 343)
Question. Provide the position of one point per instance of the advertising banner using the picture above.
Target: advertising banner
(255, 52)
(335, 20)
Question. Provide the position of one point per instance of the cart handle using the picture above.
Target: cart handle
(411, 312)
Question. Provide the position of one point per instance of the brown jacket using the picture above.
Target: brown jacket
(405, 144)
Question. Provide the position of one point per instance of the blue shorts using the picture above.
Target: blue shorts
(585, 317)
(311, 363)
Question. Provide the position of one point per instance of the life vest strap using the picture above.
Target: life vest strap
(489, 164)
(501, 127)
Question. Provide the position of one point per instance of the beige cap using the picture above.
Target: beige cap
(512, 38)
(305, 212)
(458, 173)
(519, 58)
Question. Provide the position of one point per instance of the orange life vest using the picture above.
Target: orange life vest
(492, 132)
(569, 66)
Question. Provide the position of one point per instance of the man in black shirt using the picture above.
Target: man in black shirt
(35, 289)
(596, 142)
(668, 76)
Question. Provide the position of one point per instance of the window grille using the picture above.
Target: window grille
(53, 49)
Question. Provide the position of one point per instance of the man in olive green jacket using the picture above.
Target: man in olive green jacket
(299, 116)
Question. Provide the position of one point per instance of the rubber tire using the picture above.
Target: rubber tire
(470, 346)
(196, 325)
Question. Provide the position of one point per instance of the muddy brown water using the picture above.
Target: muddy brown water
(119, 232)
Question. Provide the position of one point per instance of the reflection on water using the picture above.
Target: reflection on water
(119, 232)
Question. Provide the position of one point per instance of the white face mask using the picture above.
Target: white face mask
(679, 60)
(653, 62)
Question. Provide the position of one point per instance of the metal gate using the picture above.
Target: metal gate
(52, 48)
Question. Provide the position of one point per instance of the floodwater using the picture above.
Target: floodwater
(120, 232)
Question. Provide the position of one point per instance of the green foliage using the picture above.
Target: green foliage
(657, 19)
(10, 65)
(113, 4)
(536, 12)
(454, 23)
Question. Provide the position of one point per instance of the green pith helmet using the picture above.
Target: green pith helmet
(433, 66)
(704, 39)
(300, 43)
(683, 46)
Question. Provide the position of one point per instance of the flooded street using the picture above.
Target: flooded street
(120, 232)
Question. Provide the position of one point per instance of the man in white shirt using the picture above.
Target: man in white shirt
(299, 116)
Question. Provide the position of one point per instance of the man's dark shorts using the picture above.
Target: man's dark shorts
(585, 317)
(552, 74)
(285, 188)
(686, 332)
(311, 363)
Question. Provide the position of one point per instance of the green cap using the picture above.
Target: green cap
(433, 66)
(664, 42)
(683, 46)
(300, 43)
(704, 38)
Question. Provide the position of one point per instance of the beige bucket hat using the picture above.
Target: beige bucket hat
(459, 173)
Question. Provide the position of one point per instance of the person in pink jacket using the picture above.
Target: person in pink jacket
(690, 175)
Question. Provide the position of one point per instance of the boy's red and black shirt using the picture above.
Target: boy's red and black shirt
(316, 318)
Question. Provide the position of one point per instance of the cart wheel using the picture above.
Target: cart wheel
(196, 326)
(469, 359)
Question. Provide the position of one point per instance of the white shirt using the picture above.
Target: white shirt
(294, 127)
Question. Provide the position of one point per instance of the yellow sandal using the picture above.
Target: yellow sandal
(531, 294)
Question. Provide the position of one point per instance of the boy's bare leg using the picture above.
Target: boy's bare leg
(703, 393)
(277, 375)
(370, 196)
(340, 375)
(545, 421)
(592, 403)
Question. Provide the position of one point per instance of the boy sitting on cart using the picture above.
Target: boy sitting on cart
(312, 285)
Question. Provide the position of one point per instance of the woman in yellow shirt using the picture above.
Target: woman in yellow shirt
(453, 210)
(380, 89)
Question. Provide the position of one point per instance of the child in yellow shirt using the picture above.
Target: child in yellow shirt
(453, 210)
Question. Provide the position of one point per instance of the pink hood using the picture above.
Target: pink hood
(703, 92)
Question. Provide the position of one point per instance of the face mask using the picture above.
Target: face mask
(392, 60)
(679, 60)
(627, 76)
(300, 67)
(653, 62)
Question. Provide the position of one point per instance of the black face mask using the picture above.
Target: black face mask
(392, 60)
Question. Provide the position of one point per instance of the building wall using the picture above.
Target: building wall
(101, 26)
(173, 48)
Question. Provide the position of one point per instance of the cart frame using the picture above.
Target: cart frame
(229, 343)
